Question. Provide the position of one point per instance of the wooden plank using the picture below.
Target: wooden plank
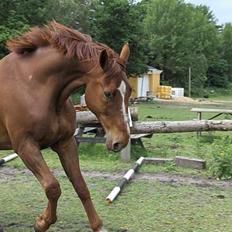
(90, 139)
(90, 130)
(211, 110)
(190, 162)
(138, 136)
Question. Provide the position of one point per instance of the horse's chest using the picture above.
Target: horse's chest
(53, 130)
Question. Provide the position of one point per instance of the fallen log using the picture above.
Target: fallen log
(181, 126)
(85, 117)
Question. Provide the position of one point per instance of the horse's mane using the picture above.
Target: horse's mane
(70, 42)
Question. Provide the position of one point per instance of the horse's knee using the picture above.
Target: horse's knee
(53, 190)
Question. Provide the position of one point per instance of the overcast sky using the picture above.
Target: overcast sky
(222, 9)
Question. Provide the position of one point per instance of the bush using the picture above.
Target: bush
(220, 164)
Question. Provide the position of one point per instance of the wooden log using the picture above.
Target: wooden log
(181, 126)
(190, 162)
(85, 117)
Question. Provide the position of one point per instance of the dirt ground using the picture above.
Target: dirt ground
(9, 173)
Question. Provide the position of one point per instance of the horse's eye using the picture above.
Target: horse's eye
(109, 95)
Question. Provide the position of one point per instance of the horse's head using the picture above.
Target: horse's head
(107, 95)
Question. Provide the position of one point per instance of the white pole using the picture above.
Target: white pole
(126, 178)
(8, 158)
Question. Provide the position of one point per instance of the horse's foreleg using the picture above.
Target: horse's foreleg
(32, 157)
(68, 155)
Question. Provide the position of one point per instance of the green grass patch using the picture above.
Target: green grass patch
(142, 206)
(220, 94)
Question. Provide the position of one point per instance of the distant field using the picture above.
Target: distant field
(220, 94)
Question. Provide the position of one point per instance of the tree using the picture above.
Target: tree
(73, 13)
(218, 73)
(11, 23)
(19, 15)
(117, 22)
(180, 36)
(226, 48)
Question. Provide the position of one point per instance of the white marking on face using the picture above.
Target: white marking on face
(30, 77)
(122, 90)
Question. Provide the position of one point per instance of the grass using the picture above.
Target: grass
(177, 112)
(220, 94)
(144, 206)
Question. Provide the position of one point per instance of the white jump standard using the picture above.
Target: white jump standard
(129, 174)
(8, 158)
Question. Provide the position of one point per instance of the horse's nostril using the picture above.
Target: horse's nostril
(117, 147)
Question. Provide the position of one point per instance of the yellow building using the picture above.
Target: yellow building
(147, 84)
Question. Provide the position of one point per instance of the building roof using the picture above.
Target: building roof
(154, 70)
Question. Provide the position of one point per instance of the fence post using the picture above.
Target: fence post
(126, 152)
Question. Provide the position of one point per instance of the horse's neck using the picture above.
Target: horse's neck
(71, 77)
(67, 90)
(51, 75)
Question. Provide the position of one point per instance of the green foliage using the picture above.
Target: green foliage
(13, 25)
(19, 15)
(73, 13)
(117, 22)
(217, 73)
(180, 36)
(220, 164)
(227, 47)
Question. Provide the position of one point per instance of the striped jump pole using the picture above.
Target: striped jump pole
(8, 158)
(129, 174)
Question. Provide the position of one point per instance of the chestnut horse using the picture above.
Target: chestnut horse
(44, 67)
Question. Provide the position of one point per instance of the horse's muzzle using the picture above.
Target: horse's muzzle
(116, 147)
(117, 144)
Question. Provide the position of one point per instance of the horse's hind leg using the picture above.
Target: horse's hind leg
(32, 157)
(68, 155)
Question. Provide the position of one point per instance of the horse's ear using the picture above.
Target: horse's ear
(104, 59)
(125, 53)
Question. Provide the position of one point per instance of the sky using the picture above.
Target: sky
(222, 9)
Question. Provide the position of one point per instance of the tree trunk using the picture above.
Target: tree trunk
(85, 117)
